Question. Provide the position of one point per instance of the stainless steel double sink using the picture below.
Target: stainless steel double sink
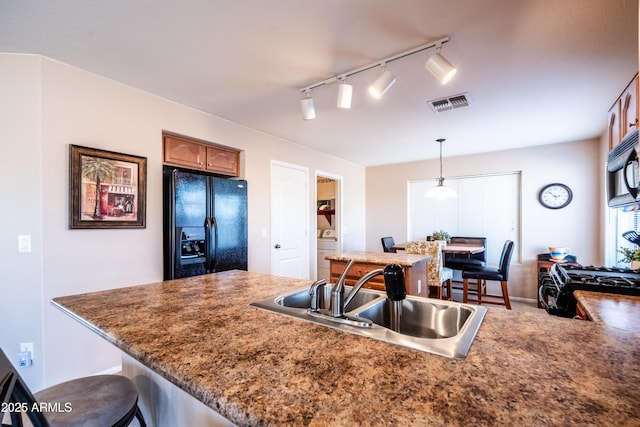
(445, 328)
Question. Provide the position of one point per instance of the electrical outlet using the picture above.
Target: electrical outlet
(26, 346)
(25, 357)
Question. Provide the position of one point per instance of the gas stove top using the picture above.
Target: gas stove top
(556, 288)
(598, 279)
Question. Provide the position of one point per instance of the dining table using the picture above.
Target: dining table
(453, 248)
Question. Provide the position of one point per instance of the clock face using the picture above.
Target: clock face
(555, 196)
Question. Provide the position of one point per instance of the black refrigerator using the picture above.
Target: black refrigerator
(205, 223)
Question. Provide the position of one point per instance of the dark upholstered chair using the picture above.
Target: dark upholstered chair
(387, 243)
(500, 274)
(101, 400)
(467, 262)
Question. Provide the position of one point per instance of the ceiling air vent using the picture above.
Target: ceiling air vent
(449, 103)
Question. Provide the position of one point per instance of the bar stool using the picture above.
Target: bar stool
(500, 274)
(101, 400)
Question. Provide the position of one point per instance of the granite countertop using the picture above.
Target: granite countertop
(259, 368)
(617, 311)
(382, 258)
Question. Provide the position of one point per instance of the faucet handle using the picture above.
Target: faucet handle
(315, 296)
(394, 282)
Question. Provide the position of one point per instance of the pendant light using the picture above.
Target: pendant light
(441, 191)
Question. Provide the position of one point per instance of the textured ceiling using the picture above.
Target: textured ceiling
(537, 71)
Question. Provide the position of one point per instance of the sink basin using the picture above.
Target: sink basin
(422, 318)
(302, 298)
(440, 327)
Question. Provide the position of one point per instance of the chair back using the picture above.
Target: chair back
(387, 243)
(13, 389)
(505, 259)
(481, 256)
(434, 269)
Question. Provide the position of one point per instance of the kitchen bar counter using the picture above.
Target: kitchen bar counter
(618, 311)
(380, 258)
(261, 368)
(414, 266)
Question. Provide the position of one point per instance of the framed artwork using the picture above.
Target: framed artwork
(106, 189)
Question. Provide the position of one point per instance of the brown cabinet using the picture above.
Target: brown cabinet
(414, 276)
(623, 114)
(193, 154)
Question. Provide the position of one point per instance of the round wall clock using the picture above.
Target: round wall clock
(555, 196)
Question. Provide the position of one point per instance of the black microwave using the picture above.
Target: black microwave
(623, 179)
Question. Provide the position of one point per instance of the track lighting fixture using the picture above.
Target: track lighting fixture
(308, 109)
(382, 84)
(436, 64)
(344, 95)
(441, 191)
(440, 67)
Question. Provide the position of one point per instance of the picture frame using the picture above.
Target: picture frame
(106, 189)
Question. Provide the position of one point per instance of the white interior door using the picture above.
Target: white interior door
(289, 220)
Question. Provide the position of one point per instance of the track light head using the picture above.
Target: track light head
(440, 67)
(308, 109)
(382, 84)
(344, 95)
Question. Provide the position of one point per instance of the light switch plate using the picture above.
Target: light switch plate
(24, 243)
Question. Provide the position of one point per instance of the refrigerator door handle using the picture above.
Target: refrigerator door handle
(214, 254)
(207, 233)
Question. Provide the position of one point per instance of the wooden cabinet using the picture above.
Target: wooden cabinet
(193, 154)
(623, 114)
(414, 276)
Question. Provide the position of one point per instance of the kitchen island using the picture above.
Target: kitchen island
(259, 368)
(414, 266)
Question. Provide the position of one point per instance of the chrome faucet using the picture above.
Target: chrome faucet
(315, 295)
(338, 301)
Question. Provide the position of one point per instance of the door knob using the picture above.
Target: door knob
(277, 246)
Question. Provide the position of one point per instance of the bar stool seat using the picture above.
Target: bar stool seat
(101, 400)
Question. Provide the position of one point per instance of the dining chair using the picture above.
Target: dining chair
(500, 274)
(387, 244)
(467, 262)
(101, 400)
(438, 276)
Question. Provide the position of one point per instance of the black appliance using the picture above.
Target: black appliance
(623, 179)
(205, 224)
(556, 287)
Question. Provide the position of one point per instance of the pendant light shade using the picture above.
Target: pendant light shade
(344, 95)
(382, 84)
(440, 67)
(308, 109)
(441, 191)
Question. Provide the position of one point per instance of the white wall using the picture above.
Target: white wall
(577, 164)
(51, 105)
(21, 297)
